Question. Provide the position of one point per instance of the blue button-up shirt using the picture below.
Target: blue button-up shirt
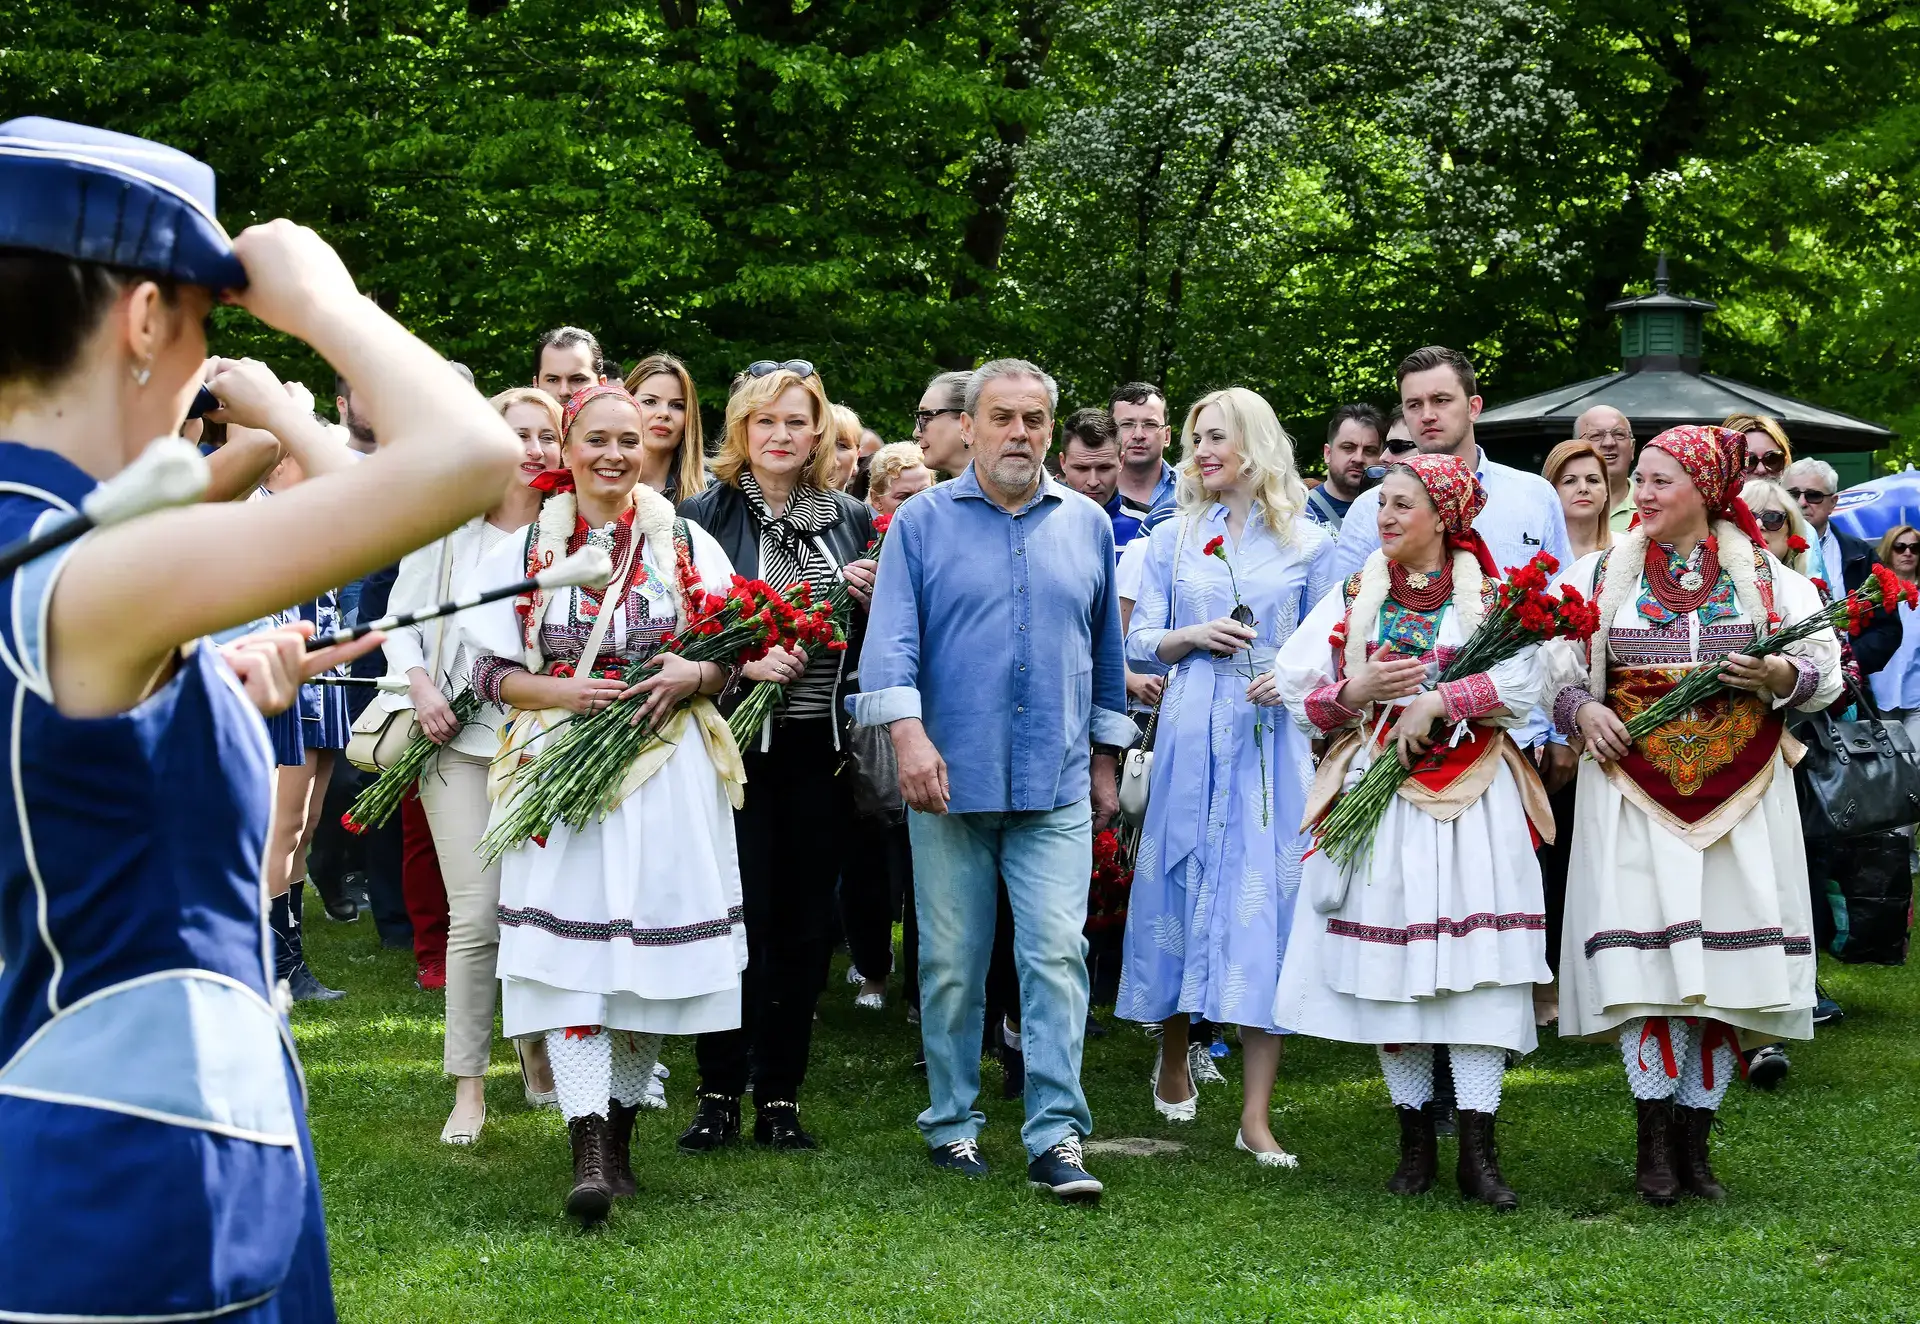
(1522, 517)
(1163, 506)
(1001, 632)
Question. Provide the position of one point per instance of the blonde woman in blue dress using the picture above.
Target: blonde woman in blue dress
(1219, 858)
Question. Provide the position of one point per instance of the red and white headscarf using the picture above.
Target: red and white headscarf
(561, 480)
(1459, 498)
(1715, 459)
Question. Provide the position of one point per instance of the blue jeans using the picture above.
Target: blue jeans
(1046, 857)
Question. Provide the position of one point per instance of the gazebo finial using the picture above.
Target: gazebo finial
(1660, 275)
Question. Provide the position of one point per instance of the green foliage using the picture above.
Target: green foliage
(1289, 194)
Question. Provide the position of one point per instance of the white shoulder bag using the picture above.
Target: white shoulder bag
(1136, 769)
(380, 735)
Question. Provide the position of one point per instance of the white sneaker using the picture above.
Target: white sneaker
(871, 1001)
(656, 1096)
(1200, 1066)
(853, 974)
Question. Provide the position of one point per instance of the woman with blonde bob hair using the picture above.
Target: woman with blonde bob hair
(1265, 454)
(1224, 585)
(1790, 537)
(676, 457)
(777, 516)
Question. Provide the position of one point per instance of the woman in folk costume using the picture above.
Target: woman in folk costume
(154, 1157)
(627, 930)
(1218, 865)
(1437, 934)
(1688, 923)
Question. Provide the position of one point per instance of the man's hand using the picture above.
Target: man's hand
(437, 721)
(923, 773)
(1558, 763)
(1106, 789)
(1145, 690)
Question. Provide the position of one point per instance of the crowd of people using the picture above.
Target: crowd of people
(1028, 607)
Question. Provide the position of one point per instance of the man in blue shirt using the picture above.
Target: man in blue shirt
(993, 655)
(1139, 413)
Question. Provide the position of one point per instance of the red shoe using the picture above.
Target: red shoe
(432, 976)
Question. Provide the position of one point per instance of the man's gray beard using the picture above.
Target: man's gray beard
(1011, 482)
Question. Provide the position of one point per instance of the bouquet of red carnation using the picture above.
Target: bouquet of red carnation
(375, 805)
(1111, 883)
(1523, 614)
(576, 776)
(1883, 591)
(813, 623)
(829, 629)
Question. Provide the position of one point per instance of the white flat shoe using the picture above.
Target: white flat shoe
(457, 1132)
(1266, 1158)
(871, 1001)
(1184, 1111)
(535, 1098)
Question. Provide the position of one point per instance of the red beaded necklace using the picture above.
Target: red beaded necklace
(1420, 590)
(1692, 588)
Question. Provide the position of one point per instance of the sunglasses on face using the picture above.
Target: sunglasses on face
(1771, 520)
(922, 417)
(1400, 446)
(1906, 548)
(767, 367)
(1810, 495)
(1773, 462)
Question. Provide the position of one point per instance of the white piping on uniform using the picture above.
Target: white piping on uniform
(118, 168)
(33, 862)
(14, 664)
(148, 1114)
(28, 1317)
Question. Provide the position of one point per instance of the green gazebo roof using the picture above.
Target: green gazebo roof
(1661, 386)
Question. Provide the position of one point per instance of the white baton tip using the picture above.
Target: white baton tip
(170, 472)
(393, 685)
(590, 567)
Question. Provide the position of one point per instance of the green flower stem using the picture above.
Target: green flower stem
(376, 804)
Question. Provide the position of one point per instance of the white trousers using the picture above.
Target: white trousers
(454, 795)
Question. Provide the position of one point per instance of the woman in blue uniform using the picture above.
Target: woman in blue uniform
(154, 1160)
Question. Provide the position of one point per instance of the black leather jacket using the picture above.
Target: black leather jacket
(722, 510)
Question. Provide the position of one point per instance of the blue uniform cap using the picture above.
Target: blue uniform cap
(96, 196)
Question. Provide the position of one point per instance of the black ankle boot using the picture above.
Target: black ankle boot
(591, 1196)
(1418, 1160)
(716, 1122)
(289, 954)
(1653, 1175)
(620, 1147)
(776, 1124)
(1691, 1127)
(1479, 1169)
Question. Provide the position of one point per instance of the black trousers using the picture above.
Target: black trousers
(1554, 857)
(876, 872)
(795, 812)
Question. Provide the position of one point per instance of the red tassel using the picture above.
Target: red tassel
(1656, 1026)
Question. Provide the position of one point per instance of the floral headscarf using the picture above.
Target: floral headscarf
(1458, 497)
(1715, 459)
(561, 480)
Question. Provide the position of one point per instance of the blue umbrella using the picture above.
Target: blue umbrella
(1870, 509)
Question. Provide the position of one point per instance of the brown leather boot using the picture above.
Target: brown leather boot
(1653, 1167)
(591, 1196)
(1418, 1161)
(620, 1147)
(1479, 1169)
(1691, 1126)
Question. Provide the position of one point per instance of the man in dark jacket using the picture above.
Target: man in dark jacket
(1849, 560)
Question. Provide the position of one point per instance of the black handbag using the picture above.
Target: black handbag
(875, 772)
(1878, 889)
(1857, 776)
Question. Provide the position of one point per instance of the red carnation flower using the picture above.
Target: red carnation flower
(1796, 543)
(351, 824)
(1213, 547)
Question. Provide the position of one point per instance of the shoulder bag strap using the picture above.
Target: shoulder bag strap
(613, 600)
(446, 591)
(1173, 592)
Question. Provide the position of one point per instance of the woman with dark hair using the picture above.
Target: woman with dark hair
(627, 929)
(675, 464)
(777, 517)
(152, 1116)
(1689, 932)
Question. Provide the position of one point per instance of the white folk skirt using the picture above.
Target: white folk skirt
(1438, 937)
(1657, 928)
(634, 923)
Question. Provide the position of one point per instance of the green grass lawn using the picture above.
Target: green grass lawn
(1823, 1224)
